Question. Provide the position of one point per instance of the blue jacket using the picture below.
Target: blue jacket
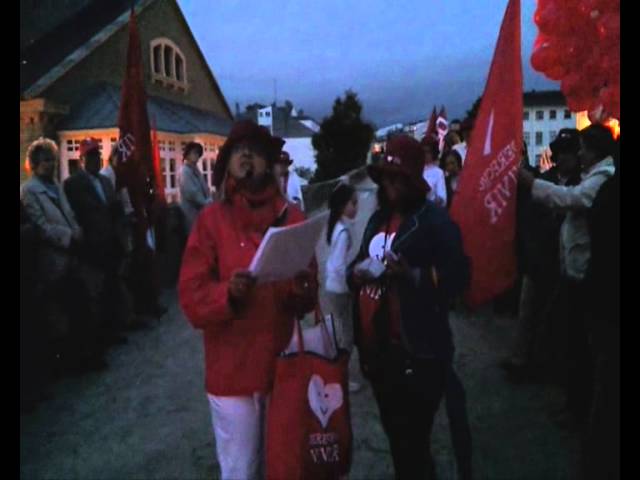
(427, 239)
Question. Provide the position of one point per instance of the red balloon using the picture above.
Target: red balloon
(545, 57)
(609, 29)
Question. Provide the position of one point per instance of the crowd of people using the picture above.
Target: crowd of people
(76, 295)
(80, 287)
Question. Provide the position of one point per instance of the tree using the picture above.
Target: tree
(344, 139)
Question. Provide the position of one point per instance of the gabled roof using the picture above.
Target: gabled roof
(100, 105)
(44, 61)
(73, 35)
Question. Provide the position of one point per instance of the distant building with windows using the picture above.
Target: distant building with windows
(296, 128)
(72, 63)
(545, 114)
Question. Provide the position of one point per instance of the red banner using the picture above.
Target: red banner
(485, 205)
(136, 165)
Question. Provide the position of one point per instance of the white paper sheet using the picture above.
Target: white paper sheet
(285, 251)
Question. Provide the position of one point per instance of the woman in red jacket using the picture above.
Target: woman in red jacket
(245, 325)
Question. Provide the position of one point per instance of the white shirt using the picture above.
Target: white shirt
(341, 252)
(575, 243)
(294, 189)
(434, 176)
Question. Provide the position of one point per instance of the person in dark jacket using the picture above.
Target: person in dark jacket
(101, 216)
(401, 317)
(538, 231)
(602, 443)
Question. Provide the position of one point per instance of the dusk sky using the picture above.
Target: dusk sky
(401, 57)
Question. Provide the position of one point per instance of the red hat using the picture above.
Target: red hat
(87, 145)
(250, 132)
(404, 156)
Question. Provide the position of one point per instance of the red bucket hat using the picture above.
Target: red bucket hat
(249, 132)
(403, 156)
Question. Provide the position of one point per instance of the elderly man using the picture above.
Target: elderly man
(101, 217)
(68, 328)
(194, 191)
(596, 149)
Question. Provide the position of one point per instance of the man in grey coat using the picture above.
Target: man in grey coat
(58, 289)
(194, 191)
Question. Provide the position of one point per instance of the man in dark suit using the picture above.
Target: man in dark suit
(101, 217)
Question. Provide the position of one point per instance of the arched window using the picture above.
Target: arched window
(168, 64)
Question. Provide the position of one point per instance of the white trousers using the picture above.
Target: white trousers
(239, 428)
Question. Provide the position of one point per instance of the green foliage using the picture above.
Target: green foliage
(344, 139)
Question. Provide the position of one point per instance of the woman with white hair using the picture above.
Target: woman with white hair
(58, 289)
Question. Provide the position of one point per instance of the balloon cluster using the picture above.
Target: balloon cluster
(578, 44)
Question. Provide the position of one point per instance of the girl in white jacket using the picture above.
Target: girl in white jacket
(343, 206)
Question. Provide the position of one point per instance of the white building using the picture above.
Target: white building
(294, 127)
(545, 114)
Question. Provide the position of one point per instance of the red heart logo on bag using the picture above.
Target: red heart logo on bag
(324, 399)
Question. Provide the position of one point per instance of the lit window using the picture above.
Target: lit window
(169, 172)
(539, 114)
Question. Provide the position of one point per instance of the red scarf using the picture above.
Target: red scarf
(255, 212)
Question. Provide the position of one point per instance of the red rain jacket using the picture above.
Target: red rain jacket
(240, 346)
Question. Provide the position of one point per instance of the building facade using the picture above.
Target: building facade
(70, 84)
(294, 127)
(545, 113)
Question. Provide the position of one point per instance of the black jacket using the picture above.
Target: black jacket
(427, 238)
(102, 223)
(603, 274)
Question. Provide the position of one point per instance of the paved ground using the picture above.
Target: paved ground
(146, 417)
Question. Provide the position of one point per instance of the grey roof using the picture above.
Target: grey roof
(292, 128)
(543, 98)
(40, 56)
(99, 109)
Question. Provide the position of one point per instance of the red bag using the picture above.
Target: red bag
(308, 422)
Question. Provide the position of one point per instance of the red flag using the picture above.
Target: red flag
(157, 171)
(442, 128)
(136, 171)
(431, 125)
(485, 205)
